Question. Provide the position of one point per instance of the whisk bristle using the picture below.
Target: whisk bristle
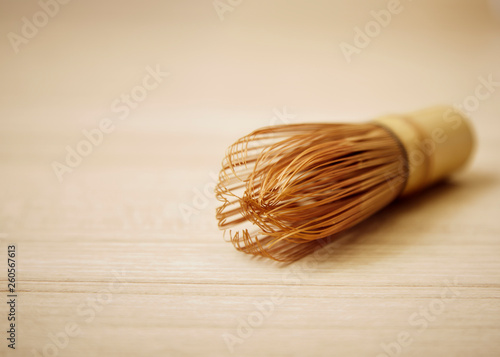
(284, 187)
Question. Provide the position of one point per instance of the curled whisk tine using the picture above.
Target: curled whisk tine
(282, 188)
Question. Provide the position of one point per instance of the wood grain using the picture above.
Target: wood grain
(124, 258)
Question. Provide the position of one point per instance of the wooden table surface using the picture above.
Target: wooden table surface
(117, 250)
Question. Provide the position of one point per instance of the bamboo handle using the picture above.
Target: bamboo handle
(437, 141)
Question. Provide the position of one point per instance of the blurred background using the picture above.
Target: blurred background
(232, 66)
(160, 88)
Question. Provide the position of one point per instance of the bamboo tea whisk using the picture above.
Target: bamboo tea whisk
(284, 187)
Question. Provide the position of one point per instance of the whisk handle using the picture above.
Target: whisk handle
(437, 142)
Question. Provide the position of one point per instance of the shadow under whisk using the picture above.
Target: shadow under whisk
(375, 229)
